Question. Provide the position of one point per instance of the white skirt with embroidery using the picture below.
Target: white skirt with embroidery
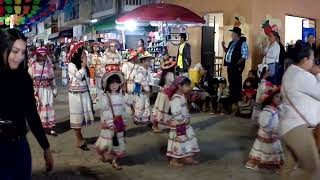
(160, 111)
(105, 144)
(81, 113)
(182, 146)
(45, 107)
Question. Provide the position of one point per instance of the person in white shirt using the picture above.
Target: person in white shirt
(271, 58)
(300, 110)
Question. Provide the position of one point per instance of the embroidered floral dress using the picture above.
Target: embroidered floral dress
(182, 141)
(160, 111)
(111, 140)
(266, 151)
(81, 112)
(45, 89)
(142, 100)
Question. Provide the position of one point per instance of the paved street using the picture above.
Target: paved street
(224, 142)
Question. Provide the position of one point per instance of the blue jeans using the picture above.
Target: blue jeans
(15, 160)
(274, 73)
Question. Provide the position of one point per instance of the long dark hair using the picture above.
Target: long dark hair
(113, 79)
(164, 74)
(76, 59)
(301, 50)
(8, 38)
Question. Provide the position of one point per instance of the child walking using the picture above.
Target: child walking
(266, 152)
(182, 143)
(160, 111)
(111, 143)
(142, 90)
(264, 86)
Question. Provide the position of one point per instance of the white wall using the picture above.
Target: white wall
(293, 29)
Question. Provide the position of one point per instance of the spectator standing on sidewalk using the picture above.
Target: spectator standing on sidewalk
(236, 54)
(184, 56)
(282, 58)
(271, 58)
(18, 110)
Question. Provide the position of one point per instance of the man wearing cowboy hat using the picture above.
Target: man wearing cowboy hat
(236, 55)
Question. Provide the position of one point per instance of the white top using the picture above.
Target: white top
(127, 68)
(37, 71)
(179, 109)
(272, 53)
(269, 119)
(303, 89)
(169, 79)
(77, 78)
(142, 77)
(119, 106)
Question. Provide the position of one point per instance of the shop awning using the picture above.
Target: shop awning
(162, 12)
(106, 24)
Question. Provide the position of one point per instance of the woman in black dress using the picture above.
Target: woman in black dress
(17, 110)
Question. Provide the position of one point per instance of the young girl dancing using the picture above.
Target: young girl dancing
(182, 143)
(111, 143)
(266, 152)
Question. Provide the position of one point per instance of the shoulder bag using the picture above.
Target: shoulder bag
(117, 120)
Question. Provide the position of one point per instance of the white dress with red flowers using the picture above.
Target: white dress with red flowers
(266, 152)
(142, 100)
(160, 111)
(81, 112)
(263, 87)
(181, 144)
(110, 142)
(45, 88)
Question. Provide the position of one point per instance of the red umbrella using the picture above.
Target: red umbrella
(162, 12)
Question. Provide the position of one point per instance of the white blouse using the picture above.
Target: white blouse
(303, 90)
(272, 54)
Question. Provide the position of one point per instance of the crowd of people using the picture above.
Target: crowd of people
(275, 96)
(281, 96)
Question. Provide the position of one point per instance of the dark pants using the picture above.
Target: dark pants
(280, 74)
(225, 103)
(235, 82)
(274, 73)
(214, 102)
(15, 160)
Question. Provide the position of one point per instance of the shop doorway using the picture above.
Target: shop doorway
(298, 28)
(212, 36)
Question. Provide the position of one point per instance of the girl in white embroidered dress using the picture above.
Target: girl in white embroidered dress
(44, 83)
(266, 152)
(80, 103)
(160, 111)
(182, 143)
(111, 144)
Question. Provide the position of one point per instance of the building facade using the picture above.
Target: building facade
(252, 14)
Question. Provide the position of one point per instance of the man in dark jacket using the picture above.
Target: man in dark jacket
(236, 55)
(183, 56)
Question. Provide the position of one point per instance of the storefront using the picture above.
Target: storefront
(252, 14)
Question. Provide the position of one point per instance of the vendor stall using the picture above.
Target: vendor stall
(167, 22)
